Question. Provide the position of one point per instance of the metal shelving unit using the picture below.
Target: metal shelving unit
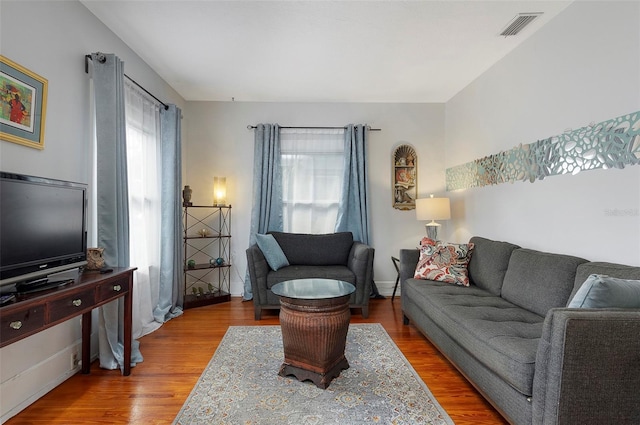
(207, 253)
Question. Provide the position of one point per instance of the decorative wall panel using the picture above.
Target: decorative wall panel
(614, 143)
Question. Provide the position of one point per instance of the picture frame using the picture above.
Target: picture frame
(23, 105)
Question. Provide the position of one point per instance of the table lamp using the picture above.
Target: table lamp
(219, 191)
(433, 209)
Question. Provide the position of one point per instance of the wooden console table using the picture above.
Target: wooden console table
(32, 313)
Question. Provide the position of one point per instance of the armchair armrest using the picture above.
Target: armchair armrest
(587, 367)
(360, 262)
(258, 270)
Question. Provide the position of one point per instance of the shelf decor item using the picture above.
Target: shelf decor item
(186, 196)
(219, 191)
(404, 177)
(23, 97)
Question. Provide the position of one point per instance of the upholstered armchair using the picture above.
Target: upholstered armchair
(330, 256)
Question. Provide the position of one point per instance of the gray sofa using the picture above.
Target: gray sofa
(510, 334)
(330, 256)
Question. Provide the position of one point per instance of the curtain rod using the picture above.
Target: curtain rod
(87, 58)
(251, 127)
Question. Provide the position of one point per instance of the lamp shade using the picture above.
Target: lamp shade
(433, 209)
(219, 191)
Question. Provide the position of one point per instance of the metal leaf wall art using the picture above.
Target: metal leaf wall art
(614, 143)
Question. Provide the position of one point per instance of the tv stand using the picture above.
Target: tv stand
(31, 313)
(41, 285)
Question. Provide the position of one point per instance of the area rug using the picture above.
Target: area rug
(241, 385)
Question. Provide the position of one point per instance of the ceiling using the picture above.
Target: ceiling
(319, 51)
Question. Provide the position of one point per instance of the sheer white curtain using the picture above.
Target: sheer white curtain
(312, 162)
(143, 162)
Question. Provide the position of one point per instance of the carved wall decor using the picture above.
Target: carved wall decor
(404, 177)
(614, 143)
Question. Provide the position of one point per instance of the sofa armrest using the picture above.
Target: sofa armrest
(258, 270)
(360, 262)
(408, 262)
(587, 367)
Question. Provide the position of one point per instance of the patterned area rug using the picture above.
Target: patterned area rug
(241, 385)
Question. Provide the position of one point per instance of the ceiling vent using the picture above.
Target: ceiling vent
(518, 23)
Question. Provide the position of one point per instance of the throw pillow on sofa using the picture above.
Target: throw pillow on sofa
(272, 252)
(444, 262)
(600, 291)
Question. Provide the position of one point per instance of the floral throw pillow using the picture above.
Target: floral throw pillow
(427, 242)
(444, 262)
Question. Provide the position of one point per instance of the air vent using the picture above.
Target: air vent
(518, 23)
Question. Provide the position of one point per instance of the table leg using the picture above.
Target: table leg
(128, 299)
(86, 342)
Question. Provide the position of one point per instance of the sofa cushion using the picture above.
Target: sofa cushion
(271, 251)
(600, 291)
(489, 262)
(620, 271)
(539, 281)
(499, 334)
(315, 250)
(444, 262)
(307, 272)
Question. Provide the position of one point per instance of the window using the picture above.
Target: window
(312, 162)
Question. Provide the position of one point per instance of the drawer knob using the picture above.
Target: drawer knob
(117, 288)
(15, 325)
(76, 303)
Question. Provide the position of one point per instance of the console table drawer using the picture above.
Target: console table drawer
(113, 289)
(71, 305)
(21, 322)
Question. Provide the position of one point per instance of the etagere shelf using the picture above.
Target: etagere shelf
(207, 255)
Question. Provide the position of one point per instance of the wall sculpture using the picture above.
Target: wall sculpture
(614, 143)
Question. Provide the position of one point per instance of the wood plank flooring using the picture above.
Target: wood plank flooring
(177, 353)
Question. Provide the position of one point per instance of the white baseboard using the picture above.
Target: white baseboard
(22, 390)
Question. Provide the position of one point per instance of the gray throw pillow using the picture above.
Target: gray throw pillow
(272, 251)
(600, 291)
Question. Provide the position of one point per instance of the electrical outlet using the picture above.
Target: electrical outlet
(75, 361)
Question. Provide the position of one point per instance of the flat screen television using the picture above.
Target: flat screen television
(42, 228)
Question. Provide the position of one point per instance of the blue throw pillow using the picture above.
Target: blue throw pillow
(272, 251)
(600, 291)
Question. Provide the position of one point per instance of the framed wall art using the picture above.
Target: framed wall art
(404, 177)
(23, 104)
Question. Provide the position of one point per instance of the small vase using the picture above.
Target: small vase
(186, 196)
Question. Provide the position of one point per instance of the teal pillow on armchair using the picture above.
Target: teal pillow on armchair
(272, 251)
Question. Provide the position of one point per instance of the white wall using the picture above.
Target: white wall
(581, 67)
(221, 145)
(51, 39)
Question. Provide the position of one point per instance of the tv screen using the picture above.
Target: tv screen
(42, 227)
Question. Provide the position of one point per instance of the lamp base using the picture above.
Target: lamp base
(432, 230)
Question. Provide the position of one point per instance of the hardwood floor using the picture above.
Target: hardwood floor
(177, 353)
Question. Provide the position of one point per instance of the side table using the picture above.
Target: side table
(396, 261)
(314, 317)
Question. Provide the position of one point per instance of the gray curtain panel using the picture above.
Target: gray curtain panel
(112, 198)
(171, 290)
(353, 211)
(266, 213)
